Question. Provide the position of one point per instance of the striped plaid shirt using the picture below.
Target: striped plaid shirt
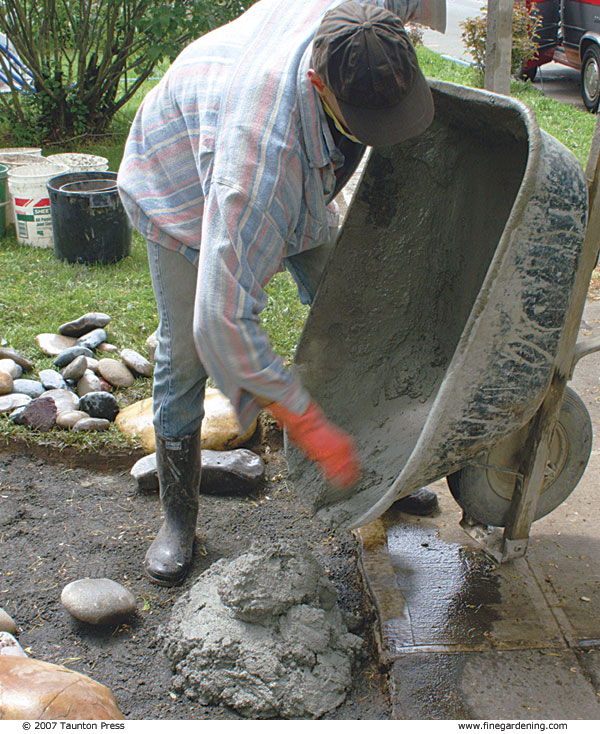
(230, 162)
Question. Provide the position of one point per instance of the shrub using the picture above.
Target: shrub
(88, 58)
(525, 28)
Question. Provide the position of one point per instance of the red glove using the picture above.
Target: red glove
(321, 441)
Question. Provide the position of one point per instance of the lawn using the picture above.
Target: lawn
(40, 292)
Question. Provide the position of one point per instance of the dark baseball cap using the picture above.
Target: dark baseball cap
(364, 56)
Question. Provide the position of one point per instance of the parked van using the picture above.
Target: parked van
(570, 35)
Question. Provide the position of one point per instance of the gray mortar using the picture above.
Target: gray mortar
(262, 634)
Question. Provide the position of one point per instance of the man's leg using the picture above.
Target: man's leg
(178, 400)
(307, 269)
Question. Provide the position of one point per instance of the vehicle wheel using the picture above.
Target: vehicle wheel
(590, 78)
(485, 493)
(528, 74)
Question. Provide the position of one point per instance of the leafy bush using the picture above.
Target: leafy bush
(525, 26)
(88, 58)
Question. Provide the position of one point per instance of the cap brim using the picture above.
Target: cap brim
(391, 125)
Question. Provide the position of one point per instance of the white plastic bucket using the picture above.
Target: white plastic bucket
(80, 161)
(13, 157)
(31, 203)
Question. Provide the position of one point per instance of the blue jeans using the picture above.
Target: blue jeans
(179, 376)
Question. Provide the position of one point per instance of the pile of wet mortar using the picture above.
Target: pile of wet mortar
(263, 634)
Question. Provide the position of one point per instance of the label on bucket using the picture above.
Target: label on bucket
(33, 217)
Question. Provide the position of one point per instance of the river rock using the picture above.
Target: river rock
(52, 380)
(9, 365)
(7, 623)
(90, 382)
(13, 401)
(9, 353)
(33, 388)
(138, 364)
(152, 344)
(40, 414)
(220, 427)
(98, 601)
(100, 404)
(68, 418)
(64, 399)
(224, 473)
(84, 324)
(92, 364)
(114, 372)
(54, 344)
(10, 646)
(75, 369)
(288, 651)
(92, 339)
(33, 689)
(68, 355)
(108, 348)
(92, 424)
(6, 382)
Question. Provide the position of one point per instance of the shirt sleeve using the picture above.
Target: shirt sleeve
(242, 248)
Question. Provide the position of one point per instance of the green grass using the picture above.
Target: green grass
(40, 292)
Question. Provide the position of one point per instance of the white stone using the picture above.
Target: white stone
(68, 418)
(90, 382)
(54, 344)
(64, 399)
(15, 400)
(10, 366)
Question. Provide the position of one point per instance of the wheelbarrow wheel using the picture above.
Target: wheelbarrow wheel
(485, 492)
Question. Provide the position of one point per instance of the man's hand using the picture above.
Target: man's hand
(321, 441)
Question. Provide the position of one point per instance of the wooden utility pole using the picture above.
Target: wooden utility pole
(498, 46)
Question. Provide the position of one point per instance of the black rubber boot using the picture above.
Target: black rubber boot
(178, 464)
(422, 502)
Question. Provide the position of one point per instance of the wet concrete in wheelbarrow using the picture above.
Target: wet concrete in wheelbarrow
(467, 639)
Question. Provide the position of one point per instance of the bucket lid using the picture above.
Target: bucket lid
(78, 159)
(42, 169)
(19, 159)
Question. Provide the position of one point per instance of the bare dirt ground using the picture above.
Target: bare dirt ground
(59, 523)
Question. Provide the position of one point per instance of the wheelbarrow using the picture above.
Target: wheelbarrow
(444, 330)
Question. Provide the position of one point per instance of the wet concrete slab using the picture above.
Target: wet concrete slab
(466, 638)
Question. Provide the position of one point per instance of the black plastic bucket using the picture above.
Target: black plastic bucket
(89, 222)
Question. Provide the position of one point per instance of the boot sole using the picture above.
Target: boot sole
(164, 581)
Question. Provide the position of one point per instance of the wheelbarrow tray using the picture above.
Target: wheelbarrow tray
(436, 326)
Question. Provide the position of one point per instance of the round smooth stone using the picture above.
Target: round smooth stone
(53, 344)
(33, 388)
(7, 623)
(9, 365)
(64, 399)
(84, 324)
(9, 353)
(52, 380)
(13, 401)
(92, 339)
(75, 369)
(68, 355)
(136, 362)
(98, 601)
(90, 382)
(100, 404)
(92, 424)
(39, 414)
(68, 418)
(115, 373)
(6, 382)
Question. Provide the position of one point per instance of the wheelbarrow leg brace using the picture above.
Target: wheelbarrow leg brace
(178, 463)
